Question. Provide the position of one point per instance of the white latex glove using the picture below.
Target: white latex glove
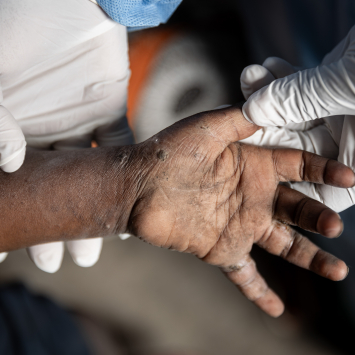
(64, 75)
(324, 89)
(12, 142)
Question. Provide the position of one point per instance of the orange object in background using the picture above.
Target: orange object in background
(144, 46)
(173, 76)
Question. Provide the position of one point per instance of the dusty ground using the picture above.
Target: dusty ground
(168, 301)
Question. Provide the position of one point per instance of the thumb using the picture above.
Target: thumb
(227, 123)
(254, 77)
(220, 127)
(278, 67)
(12, 142)
(306, 95)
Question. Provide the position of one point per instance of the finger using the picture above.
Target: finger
(16, 162)
(278, 67)
(292, 207)
(253, 78)
(301, 97)
(337, 199)
(317, 140)
(85, 253)
(298, 250)
(3, 256)
(297, 165)
(47, 257)
(254, 287)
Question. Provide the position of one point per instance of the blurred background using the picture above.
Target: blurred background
(143, 300)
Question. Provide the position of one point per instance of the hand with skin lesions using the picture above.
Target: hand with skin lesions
(191, 188)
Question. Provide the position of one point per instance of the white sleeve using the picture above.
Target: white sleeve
(64, 72)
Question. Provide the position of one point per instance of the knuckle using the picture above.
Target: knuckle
(300, 212)
(241, 274)
(302, 166)
(255, 290)
(287, 250)
(266, 237)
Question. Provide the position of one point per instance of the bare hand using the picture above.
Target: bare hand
(206, 195)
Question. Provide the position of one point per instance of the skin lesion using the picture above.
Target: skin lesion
(162, 155)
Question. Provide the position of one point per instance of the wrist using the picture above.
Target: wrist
(126, 176)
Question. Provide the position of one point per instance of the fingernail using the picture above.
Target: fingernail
(328, 226)
(330, 230)
(353, 179)
(342, 227)
(347, 273)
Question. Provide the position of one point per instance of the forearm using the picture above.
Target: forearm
(68, 195)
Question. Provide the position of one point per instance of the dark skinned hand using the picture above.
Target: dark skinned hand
(214, 198)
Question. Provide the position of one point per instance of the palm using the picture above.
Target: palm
(215, 199)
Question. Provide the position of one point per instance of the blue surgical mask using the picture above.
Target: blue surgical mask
(139, 14)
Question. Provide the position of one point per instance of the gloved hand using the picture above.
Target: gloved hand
(302, 102)
(60, 91)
